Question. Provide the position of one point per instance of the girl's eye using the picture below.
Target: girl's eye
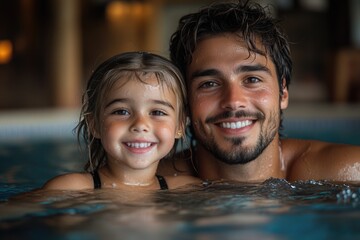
(121, 112)
(158, 113)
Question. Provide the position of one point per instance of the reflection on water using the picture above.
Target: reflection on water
(275, 209)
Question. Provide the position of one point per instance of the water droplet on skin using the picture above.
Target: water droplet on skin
(351, 172)
(281, 158)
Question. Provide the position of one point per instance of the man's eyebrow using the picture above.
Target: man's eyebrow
(253, 68)
(242, 68)
(204, 73)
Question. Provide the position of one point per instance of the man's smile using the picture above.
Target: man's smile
(236, 125)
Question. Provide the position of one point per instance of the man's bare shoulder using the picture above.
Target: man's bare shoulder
(318, 160)
(180, 164)
(70, 181)
(182, 180)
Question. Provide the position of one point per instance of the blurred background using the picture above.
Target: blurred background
(48, 49)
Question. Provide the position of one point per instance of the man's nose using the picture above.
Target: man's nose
(234, 97)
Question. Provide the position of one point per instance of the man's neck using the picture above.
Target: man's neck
(268, 164)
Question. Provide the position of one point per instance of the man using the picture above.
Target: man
(237, 66)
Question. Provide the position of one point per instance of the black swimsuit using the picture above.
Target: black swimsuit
(97, 181)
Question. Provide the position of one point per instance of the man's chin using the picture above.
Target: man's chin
(236, 158)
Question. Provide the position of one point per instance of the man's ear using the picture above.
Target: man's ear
(90, 122)
(284, 97)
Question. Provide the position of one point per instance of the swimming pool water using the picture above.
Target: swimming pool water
(275, 209)
(341, 130)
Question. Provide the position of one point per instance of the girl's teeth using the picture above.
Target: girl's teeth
(138, 145)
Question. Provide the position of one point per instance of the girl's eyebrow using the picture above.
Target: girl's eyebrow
(116, 100)
(124, 100)
(165, 103)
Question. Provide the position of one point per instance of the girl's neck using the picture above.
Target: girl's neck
(120, 178)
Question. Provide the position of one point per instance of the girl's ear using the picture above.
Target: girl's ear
(180, 131)
(284, 97)
(90, 122)
(178, 134)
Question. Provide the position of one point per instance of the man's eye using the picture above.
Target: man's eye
(158, 113)
(208, 85)
(252, 80)
(121, 112)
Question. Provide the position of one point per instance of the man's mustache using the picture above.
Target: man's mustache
(235, 114)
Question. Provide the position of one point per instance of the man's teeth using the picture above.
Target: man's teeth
(138, 145)
(235, 125)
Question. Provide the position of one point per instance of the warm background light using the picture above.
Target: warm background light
(6, 51)
(117, 10)
(48, 49)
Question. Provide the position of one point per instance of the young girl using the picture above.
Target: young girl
(133, 113)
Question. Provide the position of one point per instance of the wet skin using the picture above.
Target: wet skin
(139, 125)
(235, 105)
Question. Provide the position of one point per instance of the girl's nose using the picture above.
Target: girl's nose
(140, 124)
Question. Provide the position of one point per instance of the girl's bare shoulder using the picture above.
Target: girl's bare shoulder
(70, 181)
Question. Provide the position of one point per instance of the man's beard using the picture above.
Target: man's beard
(239, 154)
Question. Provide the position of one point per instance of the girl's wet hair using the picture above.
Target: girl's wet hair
(123, 67)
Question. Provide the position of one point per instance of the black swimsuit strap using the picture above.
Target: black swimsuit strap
(96, 179)
(162, 182)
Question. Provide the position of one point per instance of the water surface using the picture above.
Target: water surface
(274, 209)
